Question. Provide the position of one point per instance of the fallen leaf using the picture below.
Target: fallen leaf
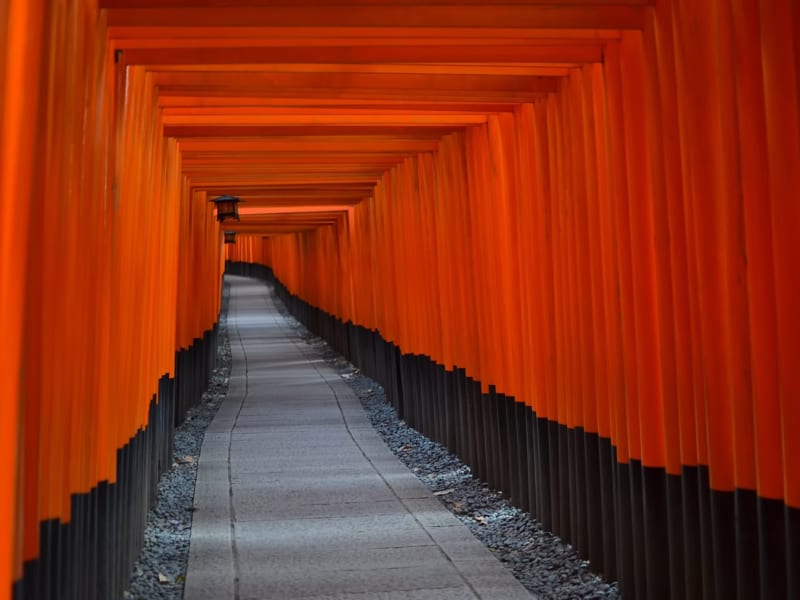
(163, 578)
(443, 492)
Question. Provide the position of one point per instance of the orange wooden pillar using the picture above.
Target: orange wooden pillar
(20, 53)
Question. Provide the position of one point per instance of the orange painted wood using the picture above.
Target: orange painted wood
(548, 16)
(320, 3)
(234, 50)
(20, 55)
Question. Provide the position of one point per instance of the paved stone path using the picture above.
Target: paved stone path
(298, 497)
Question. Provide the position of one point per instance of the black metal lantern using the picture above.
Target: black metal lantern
(227, 207)
(230, 237)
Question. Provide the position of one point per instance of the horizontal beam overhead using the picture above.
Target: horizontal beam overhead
(169, 52)
(321, 3)
(184, 131)
(266, 83)
(233, 103)
(332, 190)
(551, 15)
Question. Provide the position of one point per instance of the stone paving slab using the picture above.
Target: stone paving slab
(298, 497)
(298, 584)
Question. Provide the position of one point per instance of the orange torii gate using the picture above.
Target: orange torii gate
(589, 207)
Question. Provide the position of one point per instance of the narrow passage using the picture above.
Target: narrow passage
(298, 497)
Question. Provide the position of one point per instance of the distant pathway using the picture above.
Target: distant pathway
(298, 497)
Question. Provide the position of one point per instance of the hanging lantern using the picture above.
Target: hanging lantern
(230, 237)
(227, 207)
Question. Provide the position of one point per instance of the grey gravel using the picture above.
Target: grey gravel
(160, 571)
(547, 566)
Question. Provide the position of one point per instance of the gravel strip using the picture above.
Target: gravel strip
(160, 571)
(540, 560)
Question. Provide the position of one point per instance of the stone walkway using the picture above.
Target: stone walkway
(298, 497)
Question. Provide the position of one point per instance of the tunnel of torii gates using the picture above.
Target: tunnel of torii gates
(563, 235)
